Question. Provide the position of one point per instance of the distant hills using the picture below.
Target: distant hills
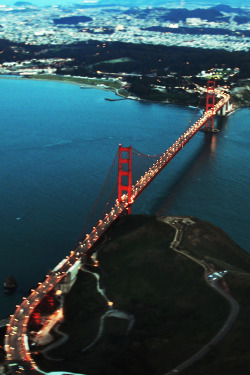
(73, 20)
(141, 3)
(218, 13)
(175, 3)
(23, 3)
(228, 6)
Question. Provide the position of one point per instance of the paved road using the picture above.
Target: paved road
(176, 222)
(16, 339)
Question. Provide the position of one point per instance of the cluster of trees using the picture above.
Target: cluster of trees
(144, 88)
(151, 65)
(140, 58)
(73, 20)
(150, 59)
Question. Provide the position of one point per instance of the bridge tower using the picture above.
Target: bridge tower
(125, 173)
(210, 101)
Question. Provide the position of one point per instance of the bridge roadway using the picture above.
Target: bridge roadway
(18, 354)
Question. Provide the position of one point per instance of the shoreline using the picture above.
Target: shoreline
(59, 79)
(79, 81)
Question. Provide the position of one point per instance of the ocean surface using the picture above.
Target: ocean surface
(57, 143)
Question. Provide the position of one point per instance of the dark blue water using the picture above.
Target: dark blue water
(57, 143)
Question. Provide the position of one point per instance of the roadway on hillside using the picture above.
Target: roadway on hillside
(179, 224)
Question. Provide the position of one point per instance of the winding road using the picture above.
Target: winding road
(178, 224)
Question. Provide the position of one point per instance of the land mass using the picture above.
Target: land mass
(153, 52)
(158, 272)
(154, 73)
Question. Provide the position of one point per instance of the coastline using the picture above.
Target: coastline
(99, 84)
(77, 81)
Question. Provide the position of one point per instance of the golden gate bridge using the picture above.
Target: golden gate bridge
(18, 356)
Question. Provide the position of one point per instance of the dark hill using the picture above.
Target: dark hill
(177, 15)
(74, 20)
(241, 19)
(228, 9)
(175, 311)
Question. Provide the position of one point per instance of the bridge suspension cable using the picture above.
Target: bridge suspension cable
(97, 210)
(18, 356)
(139, 153)
(109, 190)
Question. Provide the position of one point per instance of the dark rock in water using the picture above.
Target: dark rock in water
(9, 285)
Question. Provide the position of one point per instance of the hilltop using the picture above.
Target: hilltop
(167, 309)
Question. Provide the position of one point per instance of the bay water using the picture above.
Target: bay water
(57, 143)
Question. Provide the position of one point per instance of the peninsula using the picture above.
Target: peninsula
(173, 283)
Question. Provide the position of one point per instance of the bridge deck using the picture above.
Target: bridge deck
(16, 339)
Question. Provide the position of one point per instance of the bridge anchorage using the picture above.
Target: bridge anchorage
(212, 108)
